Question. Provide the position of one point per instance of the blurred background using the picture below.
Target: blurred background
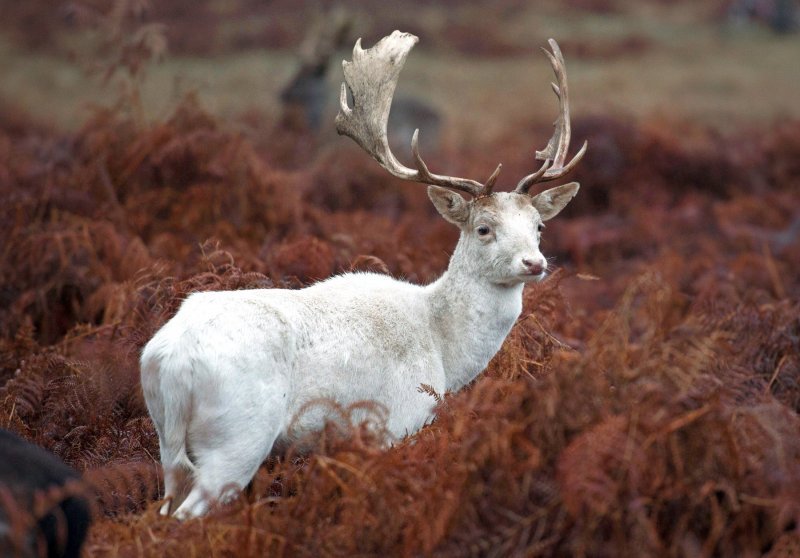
(476, 72)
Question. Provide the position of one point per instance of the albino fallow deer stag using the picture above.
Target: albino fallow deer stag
(233, 373)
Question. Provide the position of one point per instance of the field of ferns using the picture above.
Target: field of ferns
(646, 403)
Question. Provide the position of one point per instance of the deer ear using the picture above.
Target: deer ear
(449, 204)
(550, 202)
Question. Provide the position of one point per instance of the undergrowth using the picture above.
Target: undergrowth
(645, 403)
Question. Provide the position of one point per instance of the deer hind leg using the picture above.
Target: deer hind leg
(228, 450)
(175, 461)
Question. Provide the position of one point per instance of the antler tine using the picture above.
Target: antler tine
(372, 78)
(557, 147)
(493, 179)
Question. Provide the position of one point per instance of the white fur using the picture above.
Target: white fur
(229, 374)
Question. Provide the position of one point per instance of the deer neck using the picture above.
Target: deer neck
(472, 317)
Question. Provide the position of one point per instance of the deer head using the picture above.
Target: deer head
(500, 231)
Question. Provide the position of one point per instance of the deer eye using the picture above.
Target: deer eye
(483, 230)
(540, 228)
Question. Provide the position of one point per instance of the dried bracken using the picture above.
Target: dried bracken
(650, 402)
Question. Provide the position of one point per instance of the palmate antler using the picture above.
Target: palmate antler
(372, 78)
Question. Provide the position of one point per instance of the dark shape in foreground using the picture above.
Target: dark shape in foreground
(40, 502)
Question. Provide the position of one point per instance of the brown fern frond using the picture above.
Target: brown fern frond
(124, 488)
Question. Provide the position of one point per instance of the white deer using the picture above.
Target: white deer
(233, 372)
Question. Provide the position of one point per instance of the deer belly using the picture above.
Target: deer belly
(390, 396)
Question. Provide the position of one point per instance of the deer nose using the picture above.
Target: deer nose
(534, 267)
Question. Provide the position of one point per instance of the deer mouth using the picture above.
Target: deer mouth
(529, 277)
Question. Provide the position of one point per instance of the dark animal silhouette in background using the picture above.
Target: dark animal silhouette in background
(308, 93)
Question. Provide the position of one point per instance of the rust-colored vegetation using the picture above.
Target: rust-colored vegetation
(646, 402)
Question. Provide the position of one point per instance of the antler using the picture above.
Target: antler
(372, 78)
(555, 153)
